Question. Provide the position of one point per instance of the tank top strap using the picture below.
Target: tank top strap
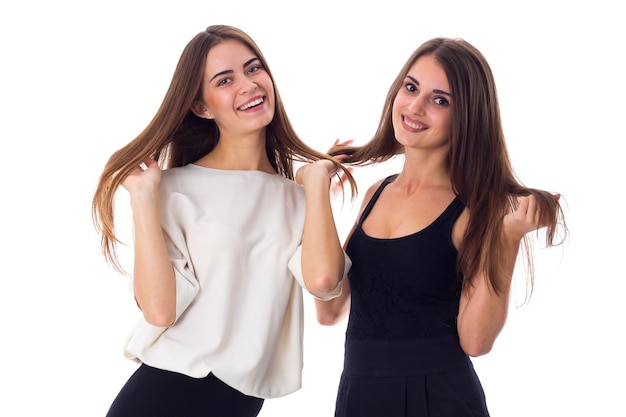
(372, 201)
(453, 211)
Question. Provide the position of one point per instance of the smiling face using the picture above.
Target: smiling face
(422, 108)
(237, 92)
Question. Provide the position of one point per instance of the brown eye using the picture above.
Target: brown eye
(223, 81)
(440, 101)
(254, 68)
(410, 87)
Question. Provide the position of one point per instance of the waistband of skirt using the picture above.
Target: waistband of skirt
(404, 357)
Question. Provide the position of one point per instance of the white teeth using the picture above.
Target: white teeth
(413, 126)
(251, 104)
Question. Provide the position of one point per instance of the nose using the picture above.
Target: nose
(248, 86)
(416, 106)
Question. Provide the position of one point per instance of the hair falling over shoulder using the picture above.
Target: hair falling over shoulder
(479, 163)
(176, 136)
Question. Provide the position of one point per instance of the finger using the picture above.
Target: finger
(339, 142)
(532, 205)
(534, 212)
(522, 208)
(150, 162)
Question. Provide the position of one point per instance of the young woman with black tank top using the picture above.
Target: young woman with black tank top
(434, 247)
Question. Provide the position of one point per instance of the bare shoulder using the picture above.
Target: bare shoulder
(370, 192)
(367, 197)
(372, 188)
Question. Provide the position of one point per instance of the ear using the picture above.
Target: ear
(201, 110)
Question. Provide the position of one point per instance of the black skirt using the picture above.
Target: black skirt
(152, 392)
(409, 378)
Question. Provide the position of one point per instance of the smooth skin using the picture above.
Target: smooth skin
(421, 192)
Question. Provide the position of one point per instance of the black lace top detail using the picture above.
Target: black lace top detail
(404, 287)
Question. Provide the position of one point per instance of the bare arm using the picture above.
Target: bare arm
(323, 259)
(334, 311)
(482, 312)
(154, 284)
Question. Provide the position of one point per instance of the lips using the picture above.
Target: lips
(252, 103)
(413, 124)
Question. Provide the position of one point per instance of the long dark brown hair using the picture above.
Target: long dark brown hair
(176, 136)
(478, 161)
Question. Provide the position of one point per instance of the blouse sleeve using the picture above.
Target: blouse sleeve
(295, 266)
(187, 286)
(145, 334)
(174, 215)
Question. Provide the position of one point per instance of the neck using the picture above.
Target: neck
(238, 155)
(424, 171)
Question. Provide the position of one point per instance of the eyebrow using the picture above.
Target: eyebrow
(434, 91)
(245, 64)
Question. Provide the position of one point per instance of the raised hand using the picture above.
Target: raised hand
(338, 181)
(145, 176)
(525, 219)
(323, 168)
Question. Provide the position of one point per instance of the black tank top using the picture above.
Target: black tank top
(404, 287)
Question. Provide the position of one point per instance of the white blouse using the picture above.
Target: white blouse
(234, 240)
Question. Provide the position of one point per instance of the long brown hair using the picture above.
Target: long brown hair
(478, 161)
(176, 136)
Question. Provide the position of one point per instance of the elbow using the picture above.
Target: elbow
(160, 317)
(477, 350)
(324, 287)
(476, 346)
(160, 320)
(323, 277)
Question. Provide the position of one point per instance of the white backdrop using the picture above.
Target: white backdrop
(80, 79)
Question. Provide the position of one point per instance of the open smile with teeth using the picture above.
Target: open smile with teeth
(413, 125)
(253, 103)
